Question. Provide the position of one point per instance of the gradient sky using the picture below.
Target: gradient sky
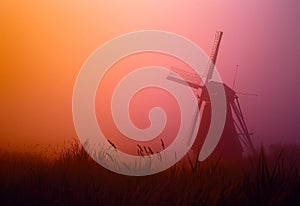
(44, 44)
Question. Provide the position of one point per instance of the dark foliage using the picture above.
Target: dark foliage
(73, 178)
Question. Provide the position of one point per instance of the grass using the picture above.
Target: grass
(73, 178)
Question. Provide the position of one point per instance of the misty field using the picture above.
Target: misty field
(72, 178)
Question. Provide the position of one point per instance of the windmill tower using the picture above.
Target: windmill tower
(235, 138)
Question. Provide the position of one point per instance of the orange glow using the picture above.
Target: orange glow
(140, 104)
(44, 45)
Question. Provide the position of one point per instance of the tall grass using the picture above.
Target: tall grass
(73, 178)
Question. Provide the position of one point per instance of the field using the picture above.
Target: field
(72, 178)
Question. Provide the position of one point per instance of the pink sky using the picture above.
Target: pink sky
(44, 45)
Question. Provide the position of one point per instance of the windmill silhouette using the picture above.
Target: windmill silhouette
(235, 138)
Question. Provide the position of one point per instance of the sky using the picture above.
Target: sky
(44, 44)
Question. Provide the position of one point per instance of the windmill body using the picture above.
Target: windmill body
(229, 146)
(235, 139)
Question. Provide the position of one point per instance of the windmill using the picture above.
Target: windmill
(236, 137)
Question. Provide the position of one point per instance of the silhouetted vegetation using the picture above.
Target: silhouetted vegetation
(72, 178)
